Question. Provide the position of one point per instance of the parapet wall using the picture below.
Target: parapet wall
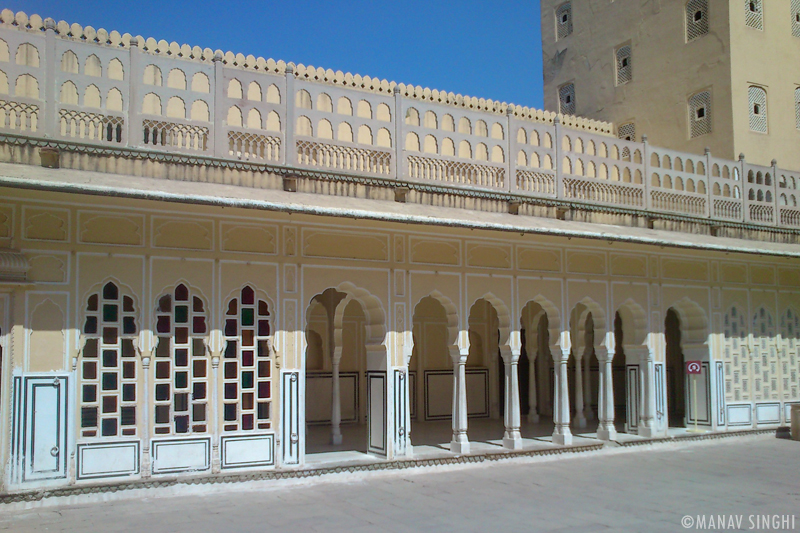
(67, 83)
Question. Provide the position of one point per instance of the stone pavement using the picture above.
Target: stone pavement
(647, 488)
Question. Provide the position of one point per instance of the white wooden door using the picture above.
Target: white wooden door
(632, 399)
(41, 421)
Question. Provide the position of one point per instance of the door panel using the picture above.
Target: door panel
(40, 422)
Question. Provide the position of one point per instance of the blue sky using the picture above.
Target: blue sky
(476, 48)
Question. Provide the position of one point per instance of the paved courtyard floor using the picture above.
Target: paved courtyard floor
(644, 488)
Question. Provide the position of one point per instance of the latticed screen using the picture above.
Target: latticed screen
(754, 14)
(736, 363)
(564, 20)
(181, 364)
(700, 114)
(790, 333)
(247, 364)
(627, 132)
(624, 65)
(796, 18)
(757, 98)
(765, 357)
(108, 365)
(696, 19)
(797, 107)
(566, 99)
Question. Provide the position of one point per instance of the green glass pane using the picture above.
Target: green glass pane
(110, 313)
(181, 314)
(247, 380)
(248, 316)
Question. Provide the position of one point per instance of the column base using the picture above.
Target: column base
(588, 413)
(647, 433)
(459, 445)
(562, 436)
(512, 441)
(607, 433)
(580, 420)
(336, 440)
(533, 417)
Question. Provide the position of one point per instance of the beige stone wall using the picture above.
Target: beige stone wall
(666, 70)
(766, 59)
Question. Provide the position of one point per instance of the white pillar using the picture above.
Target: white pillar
(561, 431)
(605, 428)
(460, 442)
(647, 416)
(533, 415)
(587, 387)
(512, 439)
(336, 398)
(580, 417)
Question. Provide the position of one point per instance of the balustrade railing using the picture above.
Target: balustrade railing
(60, 81)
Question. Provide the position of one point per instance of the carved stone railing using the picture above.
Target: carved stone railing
(343, 158)
(456, 172)
(253, 146)
(603, 191)
(76, 84)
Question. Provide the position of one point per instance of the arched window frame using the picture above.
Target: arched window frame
(758, 110)
(108, 366)
(563, 20)
(247, 363)
(566, 99)
(181, 367)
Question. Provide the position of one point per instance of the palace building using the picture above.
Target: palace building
(213, 264)
(691, 75)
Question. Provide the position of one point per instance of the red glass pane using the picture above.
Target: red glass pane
(199, 324)
(181, 293)
(165, 304)
(248, 296)
(163, 324)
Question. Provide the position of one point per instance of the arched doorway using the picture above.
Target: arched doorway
(581, 361)
(431, 376)
(345, 377)
(536, 372)
(676, 377)
(484, 374)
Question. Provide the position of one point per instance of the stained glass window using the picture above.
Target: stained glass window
(181, 364)
(247, 364)
(108, 367)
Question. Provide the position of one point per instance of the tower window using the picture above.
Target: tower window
(624, 64)
(700, 114)
(797, 107)
(754, 14)
(627, 132)
(796, 18)
(566, 99)
(563, 20)
(757, 97)
(696, 19)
